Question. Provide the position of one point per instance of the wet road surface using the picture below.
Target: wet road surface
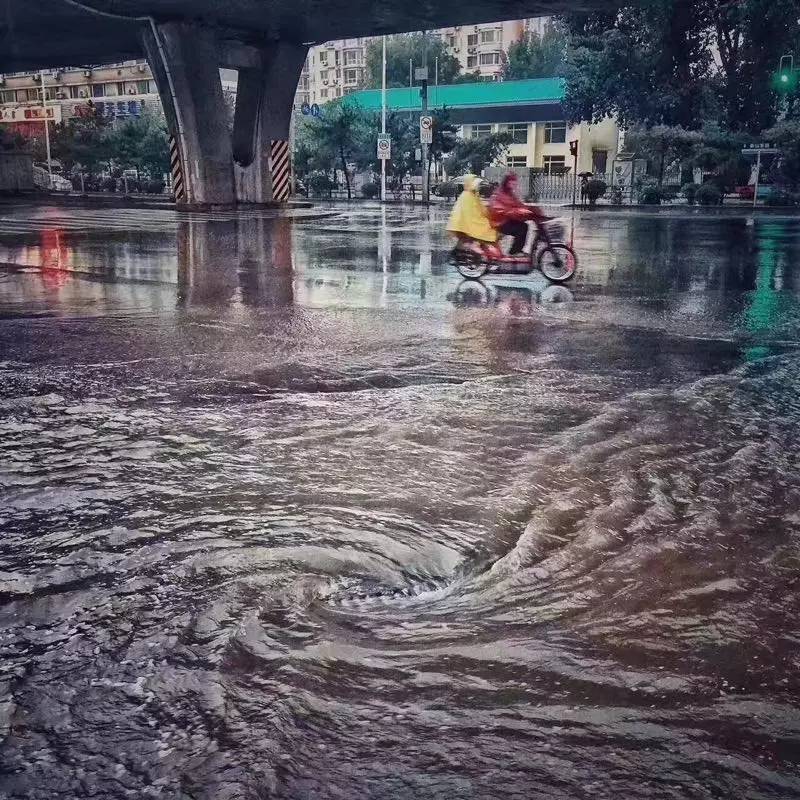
(289, 511)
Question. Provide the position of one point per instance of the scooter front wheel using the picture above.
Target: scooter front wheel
(557, 262)
(471, 265)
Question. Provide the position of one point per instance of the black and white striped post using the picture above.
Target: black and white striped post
(176, 171)
(280, 170)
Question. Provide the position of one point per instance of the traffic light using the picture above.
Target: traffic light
(785, 79)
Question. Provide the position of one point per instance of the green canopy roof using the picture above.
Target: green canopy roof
(466, 95)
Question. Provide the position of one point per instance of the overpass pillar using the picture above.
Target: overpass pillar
(183, 59)
(264, 101)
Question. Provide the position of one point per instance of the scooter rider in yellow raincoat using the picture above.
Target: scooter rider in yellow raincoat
(469, 220)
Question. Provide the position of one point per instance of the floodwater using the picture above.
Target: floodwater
(287, 511)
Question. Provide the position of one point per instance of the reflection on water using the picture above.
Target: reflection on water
(445, 547)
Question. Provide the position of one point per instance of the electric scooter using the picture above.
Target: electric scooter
(548, 253)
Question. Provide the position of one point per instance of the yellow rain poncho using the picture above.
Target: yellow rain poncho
(469, 215)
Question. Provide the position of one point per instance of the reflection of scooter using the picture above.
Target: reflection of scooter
(549, 253)
(476, 293)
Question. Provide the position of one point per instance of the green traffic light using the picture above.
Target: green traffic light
(784, 78)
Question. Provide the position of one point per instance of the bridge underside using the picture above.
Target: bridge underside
(185, 42)
(50, 33)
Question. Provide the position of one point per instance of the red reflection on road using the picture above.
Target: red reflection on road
(56, 258)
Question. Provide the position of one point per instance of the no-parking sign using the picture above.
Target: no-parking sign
(426, 130)
(384, 146)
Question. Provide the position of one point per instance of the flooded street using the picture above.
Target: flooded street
(289, 511)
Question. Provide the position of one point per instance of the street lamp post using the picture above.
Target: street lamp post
(383, 118)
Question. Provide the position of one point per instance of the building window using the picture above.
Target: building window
(350, 57)
(323, 93)
(323, 58)
(481, 130)
(518, 131)
(472, 40)
(516, 161)
(472, 61)
(142, 87)
(33, 95)
(488, 36)
(350, 75)
(451, 40)
(553, 165)
(555, 132)
(7, 97)
(489, 58)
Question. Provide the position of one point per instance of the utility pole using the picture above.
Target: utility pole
(383, 118)
(46, 131)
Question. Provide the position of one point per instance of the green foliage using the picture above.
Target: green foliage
(467, 77)
(678, 64)
(370, 190)
(343, 134)
(689, 191)
(645, 64)
(537, 56)
(475, 154)
(663, 144)
(141, 144)
(616, 196)
(417, 49)
(320, 184)
(11, 140)
(709, 194)
(594, 189)
(650, 195)
(785, 170)
(448, 189)
(780, 197)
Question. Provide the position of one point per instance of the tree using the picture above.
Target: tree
(665, 143)
(445, 137)
(475, 154)
(82, 141)
(142, 144)
(785, 171)
(672, 62)
(343, 131)
(750, 37)
(467, 77)
(647, 65)
(537, 55)
(405, 50)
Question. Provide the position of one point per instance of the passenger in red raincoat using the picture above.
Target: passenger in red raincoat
(509, 215)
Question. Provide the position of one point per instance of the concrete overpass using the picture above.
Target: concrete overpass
(186, 41)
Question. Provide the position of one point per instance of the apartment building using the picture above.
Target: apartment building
(335, 69)
(484, 48)
(118, 91)
(332, 70)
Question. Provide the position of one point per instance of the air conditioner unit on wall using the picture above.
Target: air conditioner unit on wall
(472, 49)
(141, 67)
(87, 73)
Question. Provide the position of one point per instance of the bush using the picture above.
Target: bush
(448, 190)
(669, 192)
(593, 189)
(320, 184)
(689, 191)
(108, 185)
(709, 194)
(616, 196)
(780, 197)
(650, 196)
(154, 186)
(370, 190)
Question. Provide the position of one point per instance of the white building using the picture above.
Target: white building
(336, 68)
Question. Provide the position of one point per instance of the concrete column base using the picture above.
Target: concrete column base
(183, 59)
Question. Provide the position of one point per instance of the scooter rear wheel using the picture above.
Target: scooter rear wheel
(557, 262)
(471, 265)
